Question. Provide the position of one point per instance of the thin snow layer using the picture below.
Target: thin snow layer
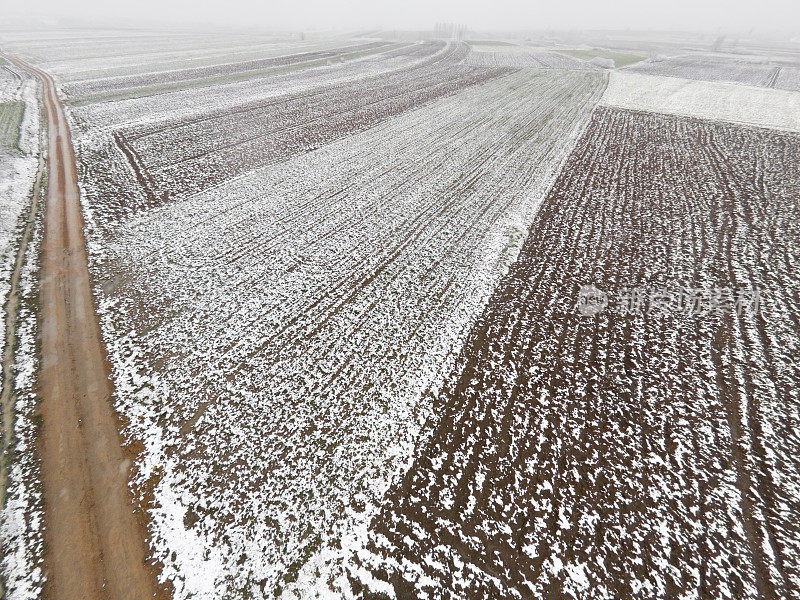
(21, 523)
(721, 101)
(524, 56)
(754, 69)
(17, 170)
(174, 160)
(223, 52)
(21, 517)
(276, 340)
(183, 104)
(78, 55)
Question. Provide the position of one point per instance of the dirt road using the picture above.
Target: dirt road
(95, 543)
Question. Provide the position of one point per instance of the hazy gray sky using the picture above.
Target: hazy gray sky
(708, 15)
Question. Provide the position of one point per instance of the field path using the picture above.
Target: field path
(95, 544)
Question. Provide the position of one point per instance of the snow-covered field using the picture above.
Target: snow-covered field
(524, 56)
(276, 338)
(334, 317)
(704, 99)
(753, 70)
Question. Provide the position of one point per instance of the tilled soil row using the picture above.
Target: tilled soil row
(648, 448)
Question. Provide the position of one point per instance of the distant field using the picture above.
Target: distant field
(177, 158)
(760, 71)
(135, 86)
(621, 59)
(180, 158)
(524, 57)
(489, 43)
(717, 100)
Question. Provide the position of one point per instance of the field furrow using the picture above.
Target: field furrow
(323, 296)
(645, 451)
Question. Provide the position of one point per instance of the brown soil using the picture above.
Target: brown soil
(650, 451)
(95, 543)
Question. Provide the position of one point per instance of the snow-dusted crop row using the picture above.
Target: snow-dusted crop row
(185, 104)
(119, 85)
(224, 50)
(521, 56)
(275, 339)
(644, 452)
(76, 54)
(176, 159)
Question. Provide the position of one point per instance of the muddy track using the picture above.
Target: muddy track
(95, 543)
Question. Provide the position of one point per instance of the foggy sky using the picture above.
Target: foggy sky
(686, 15)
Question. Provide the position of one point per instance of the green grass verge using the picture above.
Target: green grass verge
(10, 120)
